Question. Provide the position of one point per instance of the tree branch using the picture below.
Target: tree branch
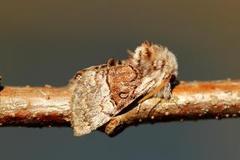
(44, 106)
(35, 106)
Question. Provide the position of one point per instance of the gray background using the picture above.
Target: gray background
(47, 41)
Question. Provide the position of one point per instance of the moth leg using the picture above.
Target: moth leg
(156, 90)
(165, 92)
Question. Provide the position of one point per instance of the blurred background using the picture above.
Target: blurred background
(47, 41)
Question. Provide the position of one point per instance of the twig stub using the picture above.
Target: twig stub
(190, 101)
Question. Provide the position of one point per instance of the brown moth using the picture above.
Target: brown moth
(101, 92)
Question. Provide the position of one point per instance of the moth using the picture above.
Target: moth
(101, 92)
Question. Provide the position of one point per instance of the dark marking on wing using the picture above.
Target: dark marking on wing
(122, 81)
